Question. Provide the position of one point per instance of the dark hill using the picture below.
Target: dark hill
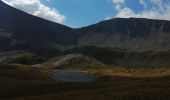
(23, 30)
(19, 30)
(131, 33)
(26, 38)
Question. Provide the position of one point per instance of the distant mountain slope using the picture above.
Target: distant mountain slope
(19, 30)
(28, 39)
(23, 31)
(131, 33)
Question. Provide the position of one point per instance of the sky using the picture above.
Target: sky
(80, 13)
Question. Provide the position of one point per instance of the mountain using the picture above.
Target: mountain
(19, 30)
(130, 33)
(130, 42)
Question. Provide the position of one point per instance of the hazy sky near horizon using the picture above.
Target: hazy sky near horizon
(79, 13)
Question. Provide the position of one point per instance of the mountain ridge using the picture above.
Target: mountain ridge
(27, 39)
(27, 32)
(127, 33)
(23, 27)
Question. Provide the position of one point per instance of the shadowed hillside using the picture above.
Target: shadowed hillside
(126, 58)
(127, 33)
(28, 32)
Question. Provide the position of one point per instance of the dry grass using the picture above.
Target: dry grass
(18, 82)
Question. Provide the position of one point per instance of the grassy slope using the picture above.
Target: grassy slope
(17, 82)
(127, 58)
(81, 63)
(118, 88)
(15, 77)
(94, 66)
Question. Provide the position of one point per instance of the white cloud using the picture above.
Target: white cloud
(125, 12)
(157, 9)
(37, 8)
(108, 17)
(118, 1)
(143, 2)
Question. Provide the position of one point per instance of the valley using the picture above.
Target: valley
(115, 59)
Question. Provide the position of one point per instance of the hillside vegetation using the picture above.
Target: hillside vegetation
(125, 57)
(18, 82)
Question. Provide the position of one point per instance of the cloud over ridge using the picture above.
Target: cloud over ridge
(37, 8)
(156, 10)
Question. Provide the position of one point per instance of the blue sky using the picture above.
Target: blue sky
(80, 13)
(85, 12)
